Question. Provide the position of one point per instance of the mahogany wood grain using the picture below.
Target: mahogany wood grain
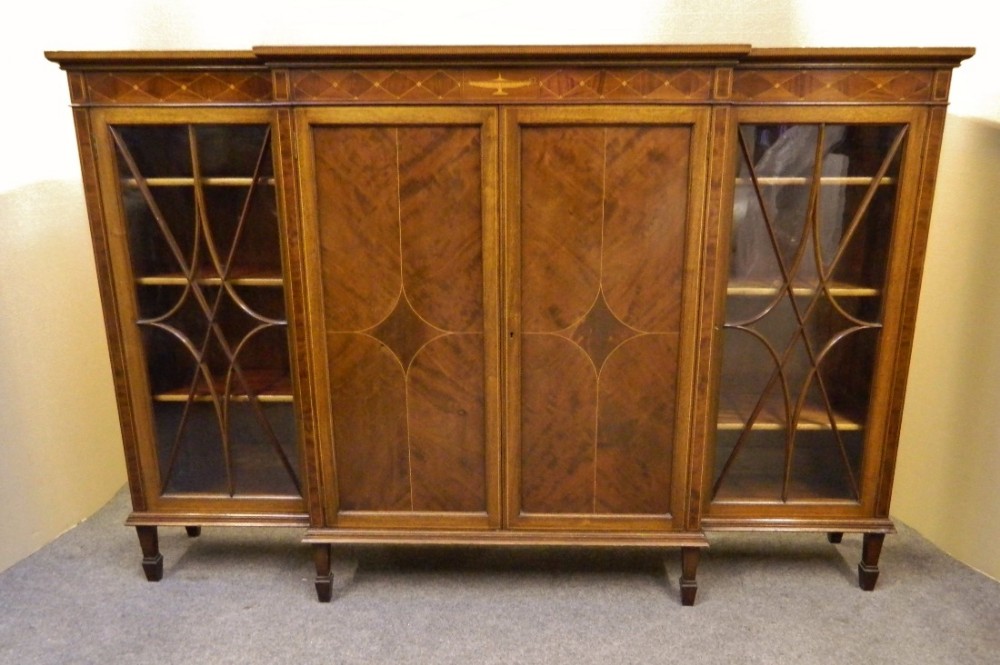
(368, 391)
(440, 211)
(399, 209)
(358, 218)
(573, 401)
(635, 429)
(602, 229)
(562, 188)
(646, 207)
(558, 426)
(447, 425)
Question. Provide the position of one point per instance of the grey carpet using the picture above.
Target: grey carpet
(246, 596)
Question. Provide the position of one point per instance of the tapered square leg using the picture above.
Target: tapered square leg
(193, 531)
(835, 537)
(324, 578)
(689, 568)
(152, 560)
(868, 568)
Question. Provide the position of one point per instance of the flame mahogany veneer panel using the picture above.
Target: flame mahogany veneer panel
(358, 210)
(447, 422)
(558, 433)
(367, 389)
(561, 200)
(635, 428)
(645, 214)
(400, 219)
(603, 216)
(442, 237)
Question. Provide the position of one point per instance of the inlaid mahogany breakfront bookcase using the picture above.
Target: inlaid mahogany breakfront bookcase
(550, 296)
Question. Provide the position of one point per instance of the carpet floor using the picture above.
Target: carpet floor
(246, 596)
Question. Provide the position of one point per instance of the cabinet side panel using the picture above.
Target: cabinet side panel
(105, 281)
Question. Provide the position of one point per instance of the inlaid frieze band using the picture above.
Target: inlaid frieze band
(509, 85)
(178, 87)
(833, 85)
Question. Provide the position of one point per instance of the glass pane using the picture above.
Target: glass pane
(201, 219)
(813, 212)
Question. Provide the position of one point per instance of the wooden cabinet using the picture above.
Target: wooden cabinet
(603, 296)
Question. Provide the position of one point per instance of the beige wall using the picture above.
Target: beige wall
(60, 454)
(948, 479)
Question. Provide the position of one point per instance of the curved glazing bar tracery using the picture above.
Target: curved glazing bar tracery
(804, 308)
(214, 326)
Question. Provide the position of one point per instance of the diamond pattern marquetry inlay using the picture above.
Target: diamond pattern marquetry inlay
(403, 332)
(178, 87)
(431, 85)
(600, 332)
(833, 86)
(371, 85)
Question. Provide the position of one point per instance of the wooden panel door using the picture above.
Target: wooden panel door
(601, 226)
(401, 212)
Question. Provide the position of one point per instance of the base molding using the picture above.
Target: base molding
(505, 538)
(193, 519)
(805, 525)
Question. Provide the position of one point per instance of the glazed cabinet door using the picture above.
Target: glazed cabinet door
(400, 211)
(819, 246)
(603, 214)
(193, 251)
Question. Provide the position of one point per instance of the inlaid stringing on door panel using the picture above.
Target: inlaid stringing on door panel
(602, 232)
(400, 220)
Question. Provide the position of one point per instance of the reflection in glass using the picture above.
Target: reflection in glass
(201, 220)
(812, 216)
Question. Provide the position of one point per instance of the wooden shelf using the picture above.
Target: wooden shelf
(266, 385)
(801, 181)
(183, 181)
(208, 277)
(735, 410)
(761, 289)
